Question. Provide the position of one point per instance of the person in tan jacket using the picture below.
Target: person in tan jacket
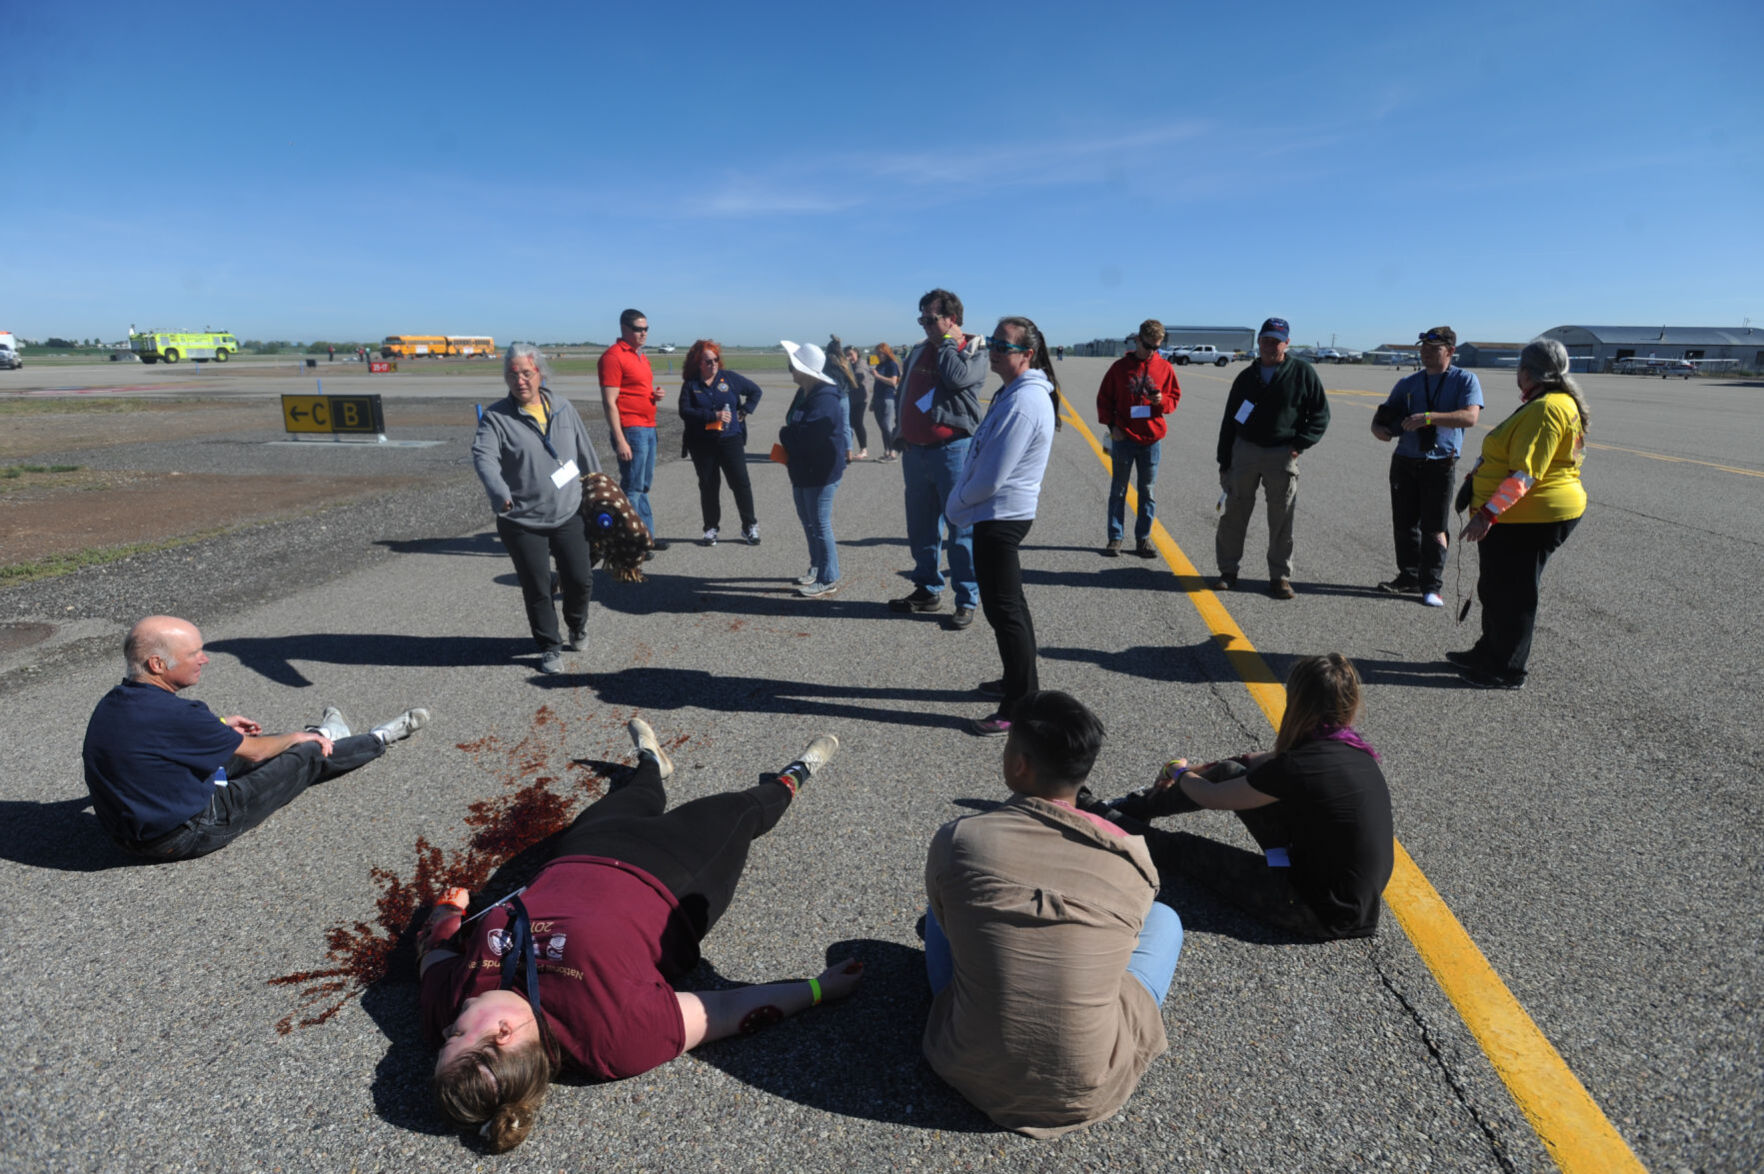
(1046, 953)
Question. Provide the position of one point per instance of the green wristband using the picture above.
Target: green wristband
(815, 990)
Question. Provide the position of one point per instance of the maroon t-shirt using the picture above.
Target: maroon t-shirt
(609, 937)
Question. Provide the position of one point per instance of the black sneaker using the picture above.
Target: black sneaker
(963, 617)
(1484, 679)
(1113, 549)
(1227, 581)
(991, 688)
(1464, 660)
(1401, 585)
(659, 544)
(1144, 549)
(921, 600)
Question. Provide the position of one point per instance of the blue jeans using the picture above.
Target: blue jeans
(814, 508)
(1153, 962)
(636, 474)
(1126, 456)
(930, 474)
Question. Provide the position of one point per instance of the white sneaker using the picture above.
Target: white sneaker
(402, 726)
(1432, 599)
(710, 536)
(332, 725)
(810, 579)
(644, 739)
(819, 752)
(751, 533)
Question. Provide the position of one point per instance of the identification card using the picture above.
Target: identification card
(1277, 858)
(923, 403)
(565, 475)
(1243, 413)
(1140, 411)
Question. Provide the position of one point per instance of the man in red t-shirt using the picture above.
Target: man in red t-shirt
(629, 393)
(1136, 395)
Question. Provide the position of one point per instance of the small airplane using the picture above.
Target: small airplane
(1650, 365)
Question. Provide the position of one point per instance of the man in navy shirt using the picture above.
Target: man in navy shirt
(1426, 413)
(171, 781)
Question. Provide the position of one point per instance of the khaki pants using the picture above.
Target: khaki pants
(1276, 469)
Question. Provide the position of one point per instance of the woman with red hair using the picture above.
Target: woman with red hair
(715, 404)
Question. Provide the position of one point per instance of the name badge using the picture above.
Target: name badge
(923, 403)
(1140, 411)
(565, 475)
(1243, 413)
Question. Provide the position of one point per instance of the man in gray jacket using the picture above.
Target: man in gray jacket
(939, 411)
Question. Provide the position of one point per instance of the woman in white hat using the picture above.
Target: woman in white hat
(814, 440)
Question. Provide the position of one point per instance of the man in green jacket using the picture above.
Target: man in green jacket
(1276, 410)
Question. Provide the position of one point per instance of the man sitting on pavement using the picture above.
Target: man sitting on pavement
(172, 781)
(1045, 950)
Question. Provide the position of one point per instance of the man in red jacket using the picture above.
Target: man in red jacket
(1135, 396)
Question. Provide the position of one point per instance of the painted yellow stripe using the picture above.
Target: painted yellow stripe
(1568, 1121)
(1660, 456)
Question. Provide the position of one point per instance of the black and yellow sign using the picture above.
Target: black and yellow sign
(333, 413)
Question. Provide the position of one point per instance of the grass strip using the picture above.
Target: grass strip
(11, 471)
(64, 564)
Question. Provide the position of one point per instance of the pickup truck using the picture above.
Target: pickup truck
(1181, 356)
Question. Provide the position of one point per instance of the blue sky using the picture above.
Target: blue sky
(756, 172)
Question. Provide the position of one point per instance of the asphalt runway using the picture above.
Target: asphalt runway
(1596, 834)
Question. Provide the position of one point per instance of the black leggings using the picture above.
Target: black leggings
(1000, 575)
(532, 552)
(697, 850)
(715, 459)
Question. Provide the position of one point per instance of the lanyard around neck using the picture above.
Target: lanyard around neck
(520, 932)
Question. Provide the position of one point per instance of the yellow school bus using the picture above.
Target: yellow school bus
(418, 346)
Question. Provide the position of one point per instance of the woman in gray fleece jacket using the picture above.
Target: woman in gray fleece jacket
(531, 452)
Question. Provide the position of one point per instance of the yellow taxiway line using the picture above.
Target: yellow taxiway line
(1568, 1121)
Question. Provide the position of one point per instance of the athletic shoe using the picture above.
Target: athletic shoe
(813, 576)
(921, 600)
(659, 544)
(1144, 549)
(1227, 581)
(751, 533)
(1432, 599)
(991, 688)
(963, 617)
(996, 726)
(332, 725)
(644, 739)
(402, 726)
(816, 590)
(818, 753)
(710, 536)
(1281, 589)
(578, 638)
(1464, 660)
(1484, 679)
(1401, 585)
(551, 663)
(1113, 549)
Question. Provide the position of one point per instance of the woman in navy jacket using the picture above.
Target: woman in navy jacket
(715, 404)
(813, 437)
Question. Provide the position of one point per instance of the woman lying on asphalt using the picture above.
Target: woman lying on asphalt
(574, 970)
(1317, 805)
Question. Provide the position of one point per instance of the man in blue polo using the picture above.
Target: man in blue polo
(170, 780)
(1426, 413)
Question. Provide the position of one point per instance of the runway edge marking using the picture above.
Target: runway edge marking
(1572, 1127)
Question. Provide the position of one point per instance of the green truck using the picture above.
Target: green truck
(174, 346)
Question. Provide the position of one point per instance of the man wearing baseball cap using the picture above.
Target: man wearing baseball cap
(1276, 410)
(1426, 413)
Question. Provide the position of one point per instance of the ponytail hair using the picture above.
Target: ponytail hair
(1038, 356)
(1321, 691)
(499, 1089)
(1546, 361)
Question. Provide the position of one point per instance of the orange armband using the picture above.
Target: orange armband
(1508, 493)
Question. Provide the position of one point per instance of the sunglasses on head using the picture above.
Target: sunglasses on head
(1434, 336)
(999, 344)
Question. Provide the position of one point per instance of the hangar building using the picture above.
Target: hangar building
(1602, 346)
(1227, 338)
